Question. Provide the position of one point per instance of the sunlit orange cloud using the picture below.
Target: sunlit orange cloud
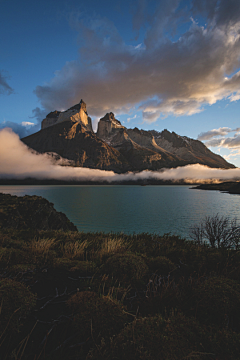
(18, 161)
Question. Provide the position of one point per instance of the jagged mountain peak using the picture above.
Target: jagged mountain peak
(77, 113)
(156, 149)
(115, 147)
(81, 105)
(108, 125)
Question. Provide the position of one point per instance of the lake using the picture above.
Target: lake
(133, 209)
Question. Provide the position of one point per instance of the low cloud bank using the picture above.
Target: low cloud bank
(26, 127)
(17, 161)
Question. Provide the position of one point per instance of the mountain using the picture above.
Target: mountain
(153, 149)
(70, 140)
(76, 113)
(114, 147)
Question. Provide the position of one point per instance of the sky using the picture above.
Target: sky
(155, 64)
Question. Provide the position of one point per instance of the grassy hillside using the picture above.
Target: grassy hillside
(72, 295)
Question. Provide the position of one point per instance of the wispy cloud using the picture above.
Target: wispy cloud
(131, 118)
(18, 161)
(215, 138)
(233, 154)
(215, 132)
(26, 128)
(5, 88)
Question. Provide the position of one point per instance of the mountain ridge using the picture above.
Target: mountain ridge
(115, 147)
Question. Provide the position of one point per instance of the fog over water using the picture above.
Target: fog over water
(18, 161)
(130, 209)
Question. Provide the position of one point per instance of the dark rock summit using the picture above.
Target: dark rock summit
(114, 147)
(77, 113)
(70, 140)
(31, 212)
(154, 150)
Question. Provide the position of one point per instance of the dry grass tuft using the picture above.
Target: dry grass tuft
(41, 246)
(111, 246)
(74, 250)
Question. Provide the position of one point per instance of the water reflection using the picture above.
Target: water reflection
(155, 209)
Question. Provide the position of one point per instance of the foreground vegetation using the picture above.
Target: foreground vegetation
(70, 295)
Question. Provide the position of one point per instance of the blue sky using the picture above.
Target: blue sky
(156, 64)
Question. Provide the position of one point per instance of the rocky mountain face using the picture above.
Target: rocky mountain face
(153, 149)
(72, 141)
(114, 147)
(77, 113)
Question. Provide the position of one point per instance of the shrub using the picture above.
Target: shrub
(164, 294)
(110, 246)
(9, 257)
(74, 265)
(232, 267)
(83, 267)
(16, 302)
(74, 250)
(155, 338)
(219, 232)
(218, 301)
(160, 264)
(42, 246)
(126, 267)
(96, 316)
(226, 344)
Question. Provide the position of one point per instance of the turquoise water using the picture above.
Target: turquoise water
(134, 209)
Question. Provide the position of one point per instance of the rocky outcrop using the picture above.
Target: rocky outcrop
(154, 150)
(137, 146)
(50, 119)
(72, 141)
(31, 212)
(108, 125)
(77, 113)
(231, 187)
(114, 147)
(189, 150)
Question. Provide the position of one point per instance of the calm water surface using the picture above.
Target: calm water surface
(129, 209)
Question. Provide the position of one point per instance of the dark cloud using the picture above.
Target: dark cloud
(221, 13)
(220, 140)
(38, 115)
(206, 8)
(214, 142)
(215, 132)
(228, 12)
(228, 142)
(233, 142)
(159, 76)
(19, 129)
(27, 127)
(5, 88)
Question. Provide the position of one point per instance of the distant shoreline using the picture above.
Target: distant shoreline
(230, 187)
(144, 182)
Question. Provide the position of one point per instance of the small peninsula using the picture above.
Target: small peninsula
(231, 187)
